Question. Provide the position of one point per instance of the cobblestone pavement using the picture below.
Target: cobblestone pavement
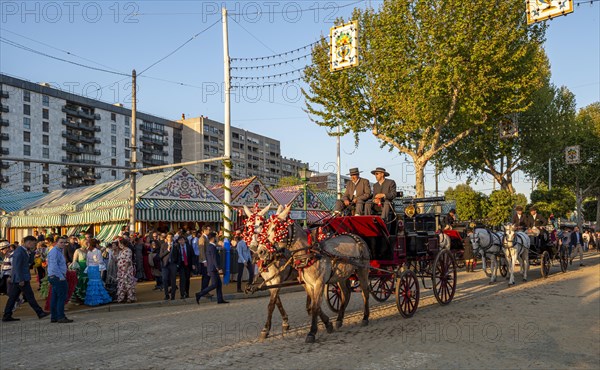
(543, 323)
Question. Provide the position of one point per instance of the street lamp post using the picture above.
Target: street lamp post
(305, 175)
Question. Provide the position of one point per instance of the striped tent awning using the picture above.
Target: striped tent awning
(180, 211)
(109, 231)
(75, 230)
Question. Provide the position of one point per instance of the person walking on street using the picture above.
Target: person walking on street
(21, 281)
(576, 245)
(57, 277)
(212, 265)
(244, 260)
(169, 268)
(202, 244)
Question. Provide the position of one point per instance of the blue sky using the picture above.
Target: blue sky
(120, 36)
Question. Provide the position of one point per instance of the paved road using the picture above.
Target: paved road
(544, 323)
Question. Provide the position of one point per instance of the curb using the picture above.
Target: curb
(114, 307)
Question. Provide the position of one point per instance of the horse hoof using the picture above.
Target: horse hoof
(285, 327)
(329, 327)
(264, 334)
(364, 323)
(310, 338)
(524, 279)
(338, 324)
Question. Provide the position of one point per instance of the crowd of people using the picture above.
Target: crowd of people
(78, 269)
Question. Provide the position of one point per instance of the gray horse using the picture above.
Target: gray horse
(488, 244)
(331, 261)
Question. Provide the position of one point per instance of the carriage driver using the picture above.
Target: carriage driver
(358, 190)
(537, 221)
(520, 220)
(384, 192)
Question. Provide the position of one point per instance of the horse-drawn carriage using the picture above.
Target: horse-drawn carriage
(403, 251)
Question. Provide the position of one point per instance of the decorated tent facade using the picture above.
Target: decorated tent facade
(167, 197)
(294, 195)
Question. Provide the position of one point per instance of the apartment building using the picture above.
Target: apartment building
(39, 122)
(252, 154)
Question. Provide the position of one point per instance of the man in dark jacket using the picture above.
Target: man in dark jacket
(384, 192)
(70, 249)
(358, 191)
(21, 278)
(212, 265)
(520, 220)
(185, 259)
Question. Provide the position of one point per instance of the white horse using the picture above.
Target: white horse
(516, 247)
(487, 243)
(444, 240)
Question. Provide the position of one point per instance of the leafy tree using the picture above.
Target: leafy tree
(502, 204)
(582, 179)
(558, 201)
(430, 73)
(289, 181)
(470, 204)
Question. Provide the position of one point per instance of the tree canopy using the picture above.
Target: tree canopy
(430, 73)
(470, 204)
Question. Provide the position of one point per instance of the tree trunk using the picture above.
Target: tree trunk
(598, 212)
(579, 199)
(420, 179)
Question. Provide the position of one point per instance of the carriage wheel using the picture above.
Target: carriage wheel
(488, 267)
(407, 294)
(382, 287)
(545, 263)
(444, 277)
(503, 267)
(564, 258)
(333, 297)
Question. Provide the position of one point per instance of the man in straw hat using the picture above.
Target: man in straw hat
(358, 191)
(384, 192)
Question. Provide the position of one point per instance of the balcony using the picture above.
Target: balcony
(4, 94)
(66, 185)
(72, 173)
(73, 111)
(91, 177)
(4, 122)
(80, 126)
(70, 136)
(4, 151)
(3, 108)
(156, 162)
(150, 150)
(5, 165)
(4, 136)
(71, 148)
(83, 161)
(89, 139)
(152, 129)
(157, 141)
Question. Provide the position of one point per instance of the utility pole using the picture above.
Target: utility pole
(550, 174)
(227, 163)
(132, 174)
(339, 166)
(437, 192)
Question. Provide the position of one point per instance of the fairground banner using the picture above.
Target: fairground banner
(572, 154)
(344, 46)
(539, 10)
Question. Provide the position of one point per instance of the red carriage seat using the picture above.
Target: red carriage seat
(453, 234)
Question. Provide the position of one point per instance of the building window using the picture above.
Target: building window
(26, 150)
(126, 143)
(113, 173)
(113, 117)
(46, 167)
(46, 126)
(127, 154)
(127, 121)
(27, 136)
(113, 140)
(26, 96)
(113, 129)
(45, 100)
(45, 114)
(27, 123)
(45, 189)
(26, 176)
(26, 165)
(113, 162)
(46, 179)
(45, 140)
(46, 153)
(26, 109)
(113, 151)
(26, 188)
